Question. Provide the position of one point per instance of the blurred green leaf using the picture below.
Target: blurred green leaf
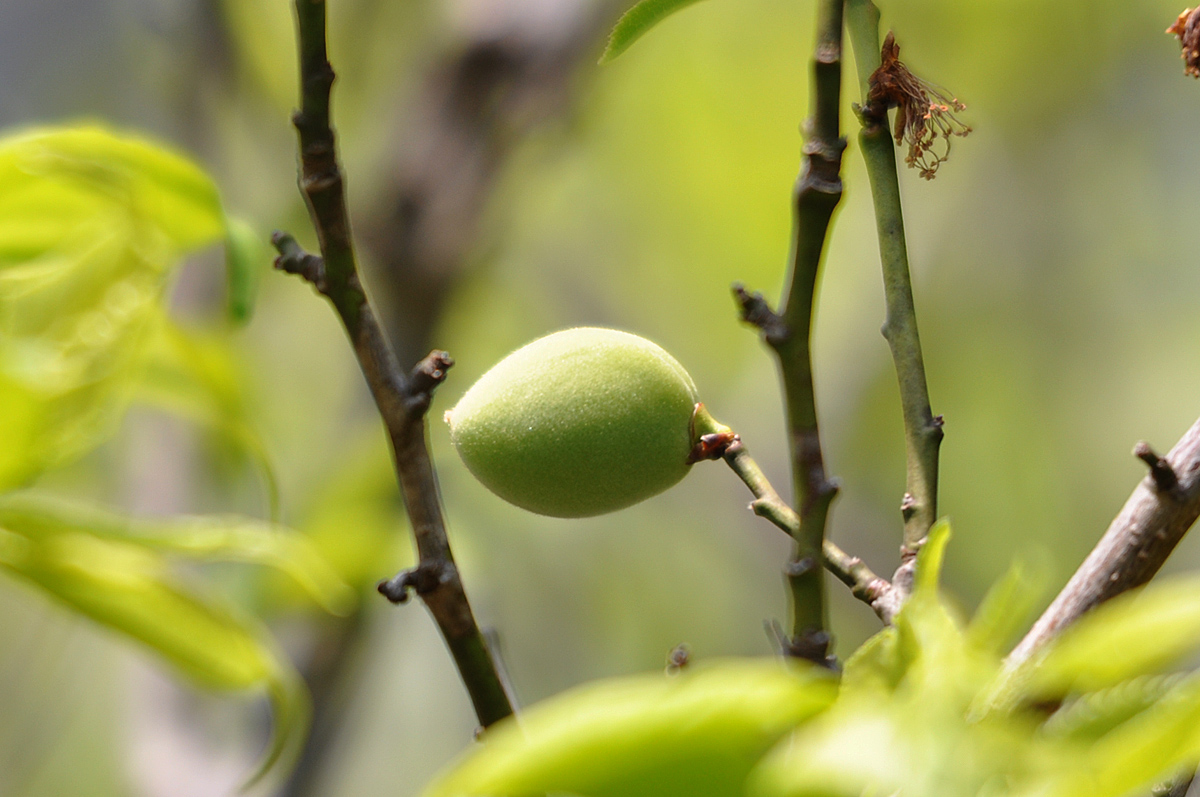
(1140, 632)
(635, 22)
(129, 588)
(1092, 715)
(1152, 746)
(196, 374)
(862, 750)
(694, 734)
(877, 664)
(1005, 609)
(245, 256)
(930, 558)
(90, 224)
(205, 538)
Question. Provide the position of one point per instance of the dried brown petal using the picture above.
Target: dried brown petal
(1187, 28)
(925, 113)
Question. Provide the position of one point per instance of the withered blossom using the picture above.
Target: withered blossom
(925, 113)
(1187, 28)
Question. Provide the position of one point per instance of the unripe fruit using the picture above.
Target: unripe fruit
(578, 423)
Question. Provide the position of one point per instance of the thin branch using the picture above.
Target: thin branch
(922, 429)
(402, 398)
(869, 588)
(1159, 512)
(478, 99)
(817, 192)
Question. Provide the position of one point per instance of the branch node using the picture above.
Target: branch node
(811, 645)
(1165, 479)
(294, 260)
(800, 567)
(679, 658)
(424, 379)
(908, 506)
(422, 579)
(756, 312)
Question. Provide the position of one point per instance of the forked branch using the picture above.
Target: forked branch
(869, 588)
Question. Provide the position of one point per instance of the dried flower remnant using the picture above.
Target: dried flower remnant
(1187, 28)
(925, 113)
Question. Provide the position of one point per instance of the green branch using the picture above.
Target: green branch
(869, 588)
(922, 429)
(817, 193)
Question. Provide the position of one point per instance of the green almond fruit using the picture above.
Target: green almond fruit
(579, 423)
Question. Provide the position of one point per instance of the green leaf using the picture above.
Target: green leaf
(908, 745)
(859, 750)
(245, 256)
(930, 558)
(1092, 715)
(1005, 609)
(197, 375)
(91, 223)
(130, 589)
(1138, 633)
(691, 735)
(879, 664)
(635, 22)
(1152, 746)
(204, 538)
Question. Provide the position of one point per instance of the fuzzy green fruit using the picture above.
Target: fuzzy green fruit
(578, 423)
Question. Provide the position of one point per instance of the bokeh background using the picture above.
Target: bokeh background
(503, 186)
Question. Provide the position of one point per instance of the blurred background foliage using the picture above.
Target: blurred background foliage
(1055, 280)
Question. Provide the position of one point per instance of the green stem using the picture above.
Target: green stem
(869, 588)
(922, 429)
(817, 193)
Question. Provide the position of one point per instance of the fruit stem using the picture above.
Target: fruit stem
(864, 584)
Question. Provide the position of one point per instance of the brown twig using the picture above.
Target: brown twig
(402, 398)
(1159, 512)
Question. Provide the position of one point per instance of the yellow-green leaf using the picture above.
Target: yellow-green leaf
(1138, 633)
(130, 589)
(245, 257)
(931, 556)
(635, 22)
(197, 374)
(696, 734)
(207, 538)
(91, 222)
(1005, 609)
